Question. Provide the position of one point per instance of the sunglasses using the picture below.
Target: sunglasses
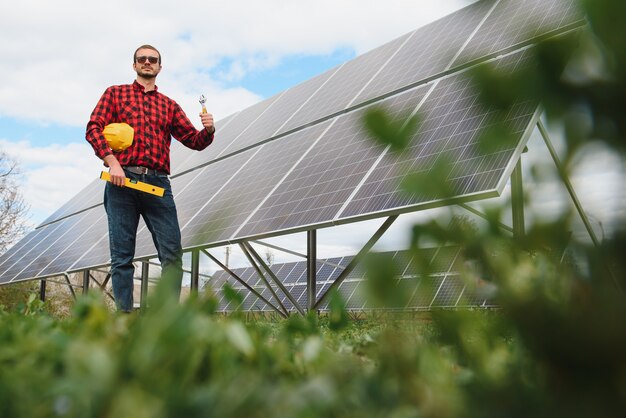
(142, 60)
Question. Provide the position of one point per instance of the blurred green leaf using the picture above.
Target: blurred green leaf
(397, 133)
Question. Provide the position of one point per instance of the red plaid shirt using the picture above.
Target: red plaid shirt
(155, 119)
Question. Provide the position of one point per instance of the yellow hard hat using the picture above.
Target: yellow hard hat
(119, 136)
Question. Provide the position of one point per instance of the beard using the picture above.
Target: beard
(145, 74)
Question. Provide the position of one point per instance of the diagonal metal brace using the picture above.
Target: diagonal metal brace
(262, 276)
(240, 280)
(353, 263)
(274, 278)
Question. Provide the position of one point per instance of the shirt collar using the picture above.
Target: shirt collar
(141, 88)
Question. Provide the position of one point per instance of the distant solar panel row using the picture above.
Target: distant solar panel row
(441, 287)
(302, 159)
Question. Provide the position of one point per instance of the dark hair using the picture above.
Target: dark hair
(146, 47)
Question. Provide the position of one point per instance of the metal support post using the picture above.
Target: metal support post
(568, 184)
(572, 193)
(254, 265)
(517, 200)
(145, 275)
(276, 280)
(195, 270)
(311, 269)
(86, 278)
(69, 284)
(42, 290)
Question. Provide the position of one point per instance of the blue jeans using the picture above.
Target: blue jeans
(123, 207)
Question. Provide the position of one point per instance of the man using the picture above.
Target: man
(155, 118)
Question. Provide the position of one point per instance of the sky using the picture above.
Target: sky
(59, 56)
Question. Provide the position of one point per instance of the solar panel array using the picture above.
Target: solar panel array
(442, 287)
(302, 160)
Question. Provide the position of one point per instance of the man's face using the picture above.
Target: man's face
(142, 65)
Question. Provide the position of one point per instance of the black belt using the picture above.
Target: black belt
(144, 170)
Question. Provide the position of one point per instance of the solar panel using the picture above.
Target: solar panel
(262, 170)
(449, 292)
(90, 196)
(65, 252)
(429, 51)
(454, 120)
(20, 250)
(323, 180)
(514, 22)
(346, 83)
(302, 159)
(269, 123)
(32, 257)
(227, 134)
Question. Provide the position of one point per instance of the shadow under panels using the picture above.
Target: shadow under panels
(454, 121)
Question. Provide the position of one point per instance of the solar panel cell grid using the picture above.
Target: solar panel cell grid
(322, 182)
(89, 196)
(429, 51)
(65, 252)
(425, 293)
(227, 135)
(449, 293)
(44, 251)
(16, 251)
(299, 294)
(344, 85)
(444, 134)
(225, 212)
(268, 124)
(516, 21)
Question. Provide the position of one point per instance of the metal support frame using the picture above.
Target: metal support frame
(311, 269)
(195, 270)
(277, 282)
(42, 290)
(482, 215)
(145, 276)
(517, 200)
(69, 284)
(246, 285)
(276, 247)
(353, 263)
(263, 278)
(102, 285)
(86, 277)
(568, 184)
(570, 189)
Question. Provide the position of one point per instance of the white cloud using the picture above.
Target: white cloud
(58, 57)
(52, 175)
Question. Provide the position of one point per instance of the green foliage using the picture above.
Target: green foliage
(395, 133)
(557, 346)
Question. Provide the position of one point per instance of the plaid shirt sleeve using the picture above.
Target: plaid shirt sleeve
(100, 117)
(184, 131)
